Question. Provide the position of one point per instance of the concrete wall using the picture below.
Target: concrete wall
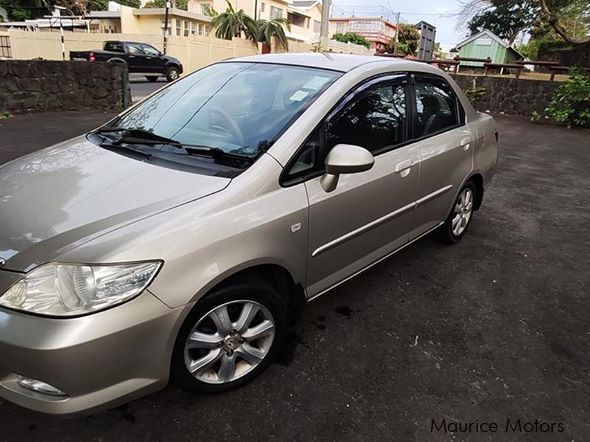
(35, 85)
(194, 52)
(508, 95)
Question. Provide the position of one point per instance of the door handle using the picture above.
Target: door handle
(404, 167)
(466, 143)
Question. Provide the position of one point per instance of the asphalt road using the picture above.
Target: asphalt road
(496, 327)
(141, 88)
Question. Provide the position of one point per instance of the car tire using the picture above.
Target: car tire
(209, 358)
(460, 216)
(152, 78)
(172, 74)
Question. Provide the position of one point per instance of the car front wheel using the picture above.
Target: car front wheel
(229, 338)
(460, 217)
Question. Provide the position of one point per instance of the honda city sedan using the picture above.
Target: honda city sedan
(180, 240)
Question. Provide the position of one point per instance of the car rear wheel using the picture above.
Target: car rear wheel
(460, 217)
(172, 74)
(229, 338)
(152, 78)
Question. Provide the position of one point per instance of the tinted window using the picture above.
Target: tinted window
(150, 50)
(436, 107)
(114, 46)
(376, 120)
(134, 48)
(238, 107)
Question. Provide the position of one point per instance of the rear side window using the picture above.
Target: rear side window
(114, 46)
(437, 107)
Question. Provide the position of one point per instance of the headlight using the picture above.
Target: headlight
(75, 289)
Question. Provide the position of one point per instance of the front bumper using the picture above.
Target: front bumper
(98, 361)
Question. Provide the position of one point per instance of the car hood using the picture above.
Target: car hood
(56, 199)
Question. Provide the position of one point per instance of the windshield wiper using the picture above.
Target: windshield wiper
(142, 136)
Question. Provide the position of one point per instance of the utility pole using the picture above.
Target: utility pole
(165, 45)
(397, 17)
(255, 10)
(325, 23)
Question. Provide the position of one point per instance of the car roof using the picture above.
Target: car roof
(325, 60)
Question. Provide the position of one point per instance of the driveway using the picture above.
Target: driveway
(141, 88)
(495, 327)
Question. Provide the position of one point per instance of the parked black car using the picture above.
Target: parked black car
(141, 58)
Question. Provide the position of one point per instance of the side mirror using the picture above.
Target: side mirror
(345, 158)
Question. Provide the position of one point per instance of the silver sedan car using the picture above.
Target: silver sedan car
(181, 239)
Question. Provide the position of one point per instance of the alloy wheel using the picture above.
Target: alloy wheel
(229, 341)
(462, 212)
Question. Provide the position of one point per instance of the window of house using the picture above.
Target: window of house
(262, 7)
(178, 27)
(275, 12)
(186, 28)
(376, 120)
(194, 28)
(437, 107)
(317, 26)
(5, 47)
(340, 27)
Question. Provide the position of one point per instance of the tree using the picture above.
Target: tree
(20, 10)
(232, 23)
(408, 39)
(352, 37)
(437, 51)
(273, 29)
(505, 18)
(556, 13)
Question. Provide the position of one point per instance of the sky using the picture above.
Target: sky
(436, 12)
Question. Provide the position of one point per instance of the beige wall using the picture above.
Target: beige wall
(194, 51)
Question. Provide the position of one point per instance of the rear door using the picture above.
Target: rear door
(445, 147)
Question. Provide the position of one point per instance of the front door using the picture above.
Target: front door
(370, 213)
(153, 60)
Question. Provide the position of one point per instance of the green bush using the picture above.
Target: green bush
(570, 105)
(351, 37)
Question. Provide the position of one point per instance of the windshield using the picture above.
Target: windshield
(240, 108)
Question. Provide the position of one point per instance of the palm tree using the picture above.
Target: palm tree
(232, 23)
(269, 29)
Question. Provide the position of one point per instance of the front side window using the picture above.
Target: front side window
(376, 120)
(241, 108)
(150, 50)
(437, 107)
(135, 48)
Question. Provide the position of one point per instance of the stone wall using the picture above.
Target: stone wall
(38, 85)
(508, 95)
